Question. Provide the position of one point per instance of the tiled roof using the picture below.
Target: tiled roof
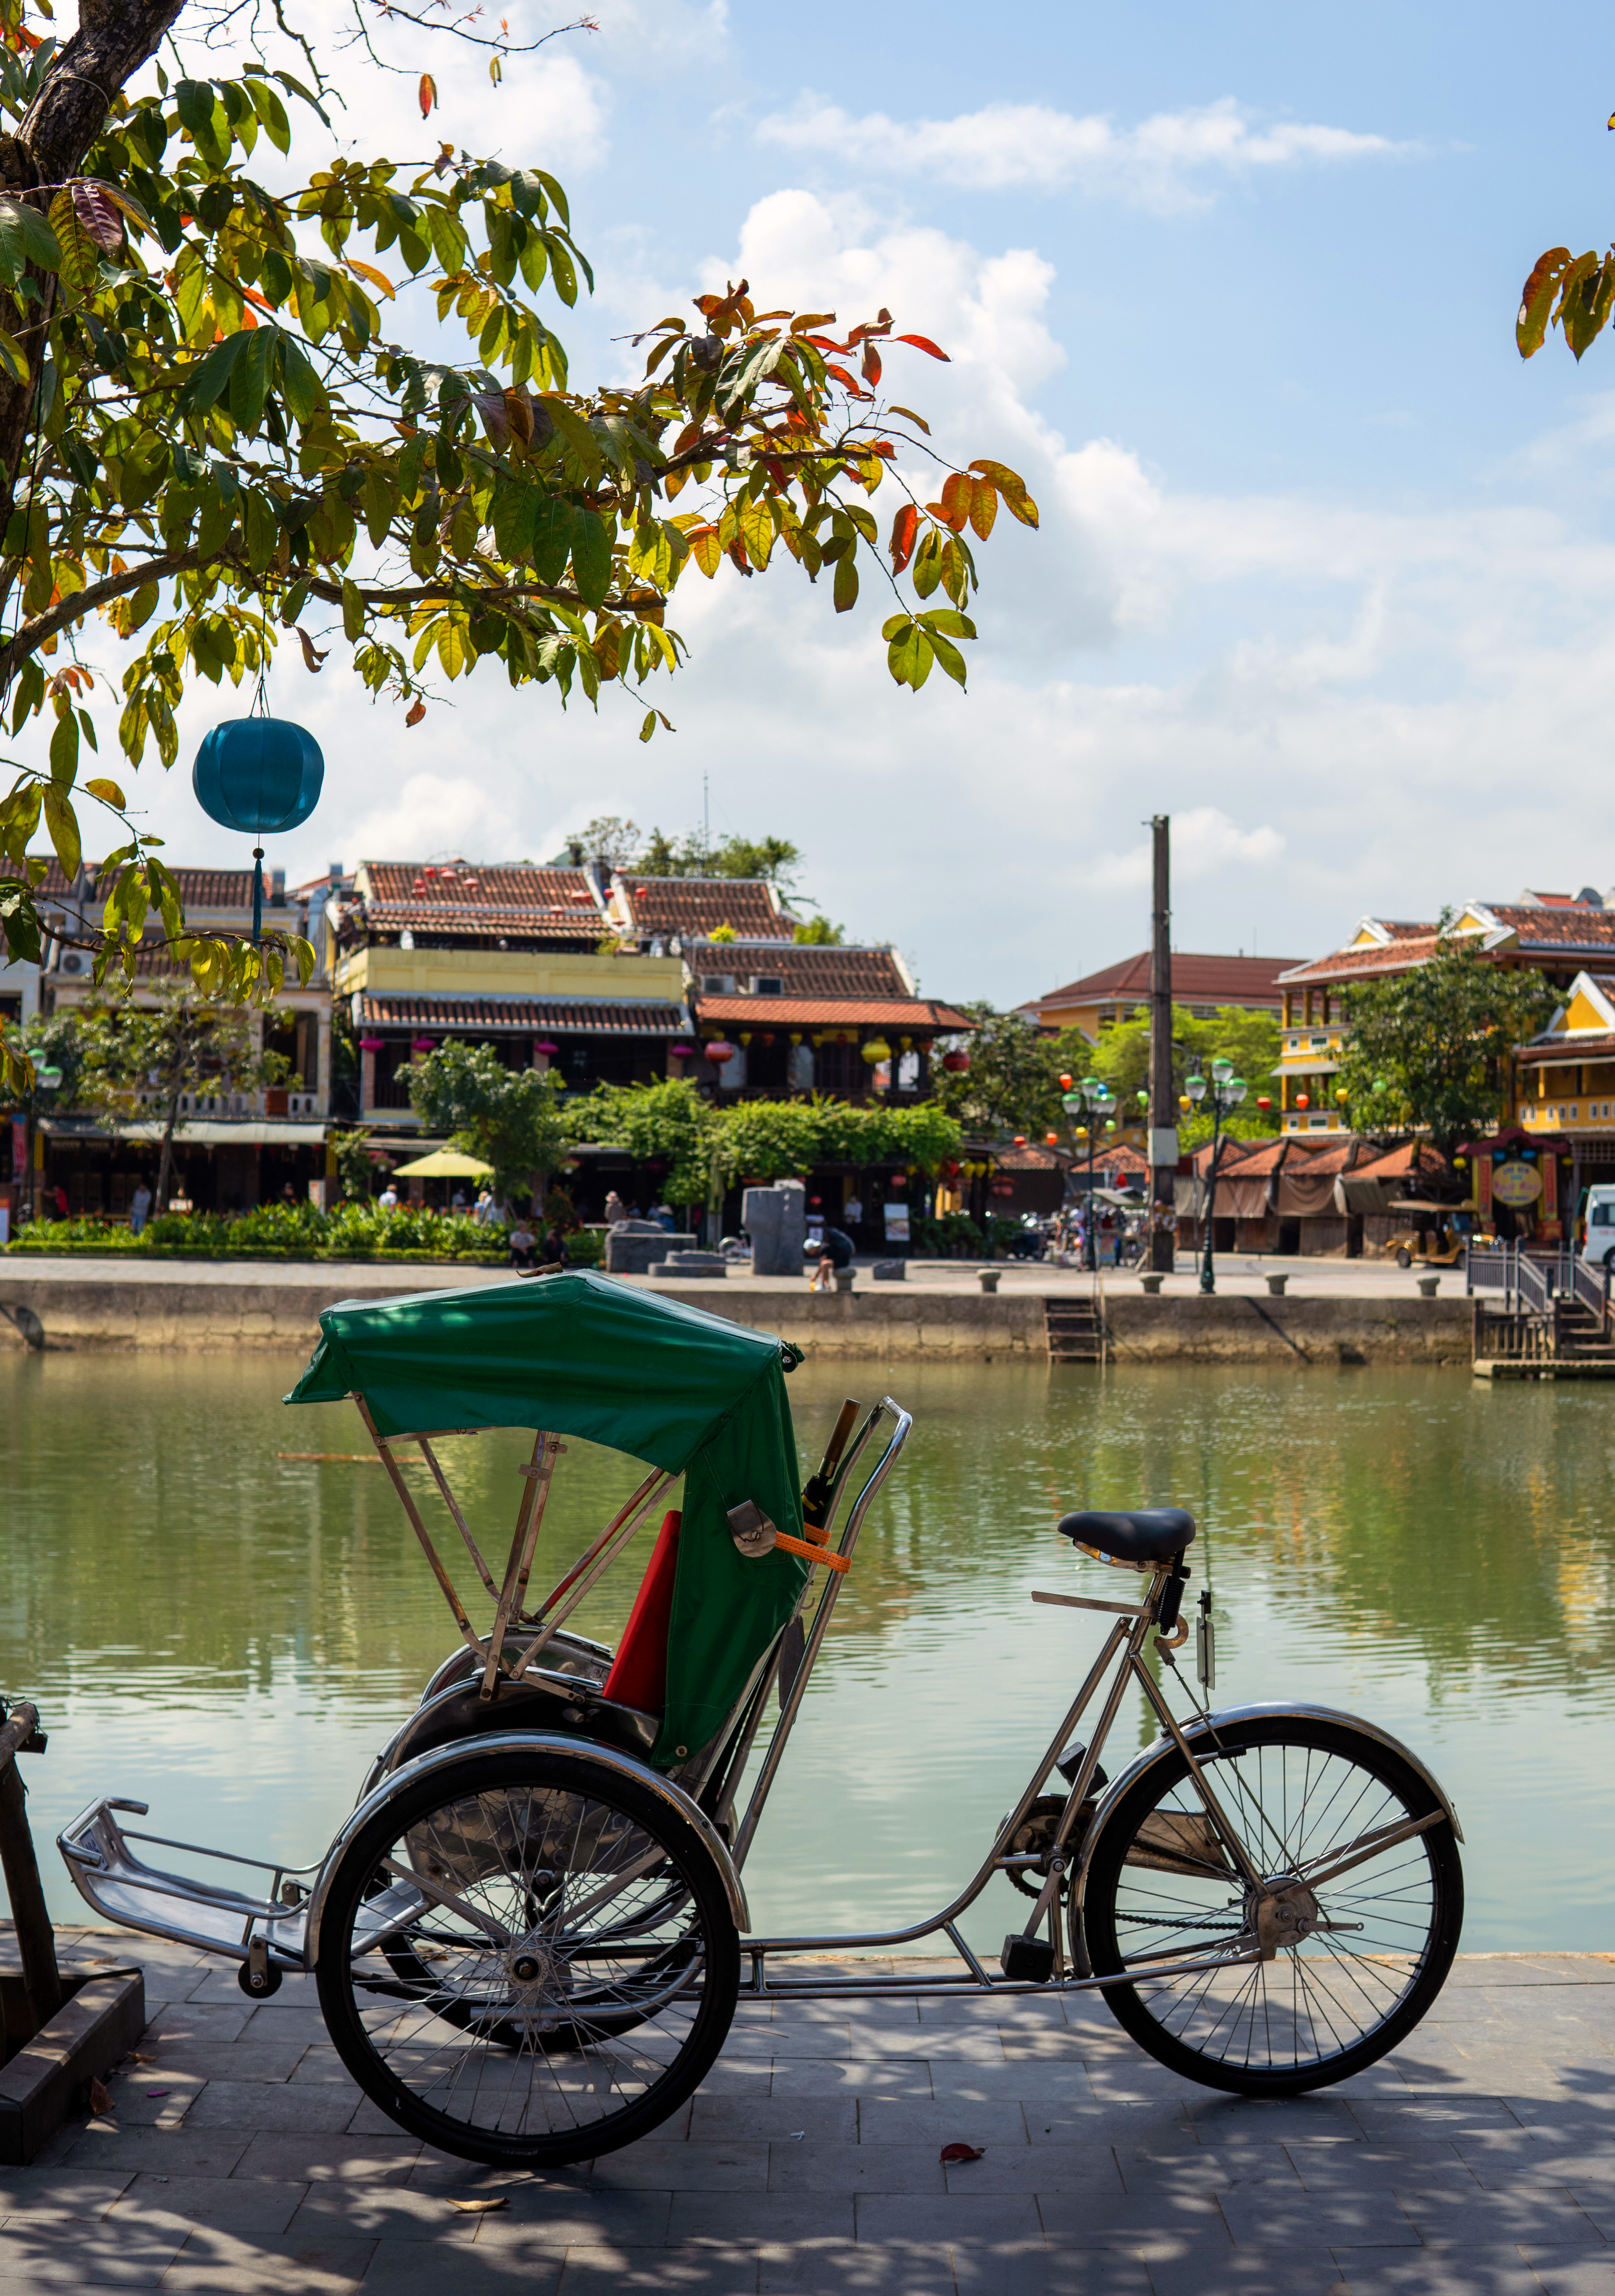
(1362, 964)
(908, 1013)
(695, 906)
(1573, 928)
(1195, 980)
(460, 923)
(199, 889)
(577, 1016)
(806, 971)
(1563, 1052)
(1033, 1157)
(435, 885)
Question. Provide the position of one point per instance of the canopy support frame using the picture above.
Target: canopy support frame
(406, 1499)
(530, 1518)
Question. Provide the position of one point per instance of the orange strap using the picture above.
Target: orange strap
(814, 1554)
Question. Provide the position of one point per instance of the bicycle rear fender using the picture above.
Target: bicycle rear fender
(607, 1757)
(1226, 1725)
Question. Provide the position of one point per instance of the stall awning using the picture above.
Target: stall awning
(201, 1132)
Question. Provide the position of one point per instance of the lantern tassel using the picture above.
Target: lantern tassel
(257, 894)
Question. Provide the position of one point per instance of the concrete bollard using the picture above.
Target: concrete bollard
(843, 1279)
(1151, 1282)
(775, 1218)
(988, 1278)
(1427, 1286)
(1275, 1284)
(889, 1271)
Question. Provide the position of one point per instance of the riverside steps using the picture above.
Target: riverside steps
(1333, 1313)
(233, 2157)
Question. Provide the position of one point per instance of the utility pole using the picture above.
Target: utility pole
(1163, 1100)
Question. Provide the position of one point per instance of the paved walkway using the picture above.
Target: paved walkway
(1240, 1275)
(237, 2158)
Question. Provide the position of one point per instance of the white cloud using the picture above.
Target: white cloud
(1204, 843)
(1168, 162)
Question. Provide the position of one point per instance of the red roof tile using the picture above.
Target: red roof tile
(906, 1013)
(468, 884)
(522, 1015)
(806, 971)
(1195, 980)
(695, 906)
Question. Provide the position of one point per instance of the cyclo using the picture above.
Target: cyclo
(529, 1938)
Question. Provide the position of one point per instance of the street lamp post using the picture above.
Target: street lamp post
(1226, 1091)
(1090, 1098)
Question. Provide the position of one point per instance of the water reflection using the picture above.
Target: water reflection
(230, 1635)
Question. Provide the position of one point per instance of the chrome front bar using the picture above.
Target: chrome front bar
(123, 1890)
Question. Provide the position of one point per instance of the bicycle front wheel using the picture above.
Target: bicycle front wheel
(1359, 1918)
(527, 1958)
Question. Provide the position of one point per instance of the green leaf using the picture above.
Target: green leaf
(591, 556)
(353, 611)
(271, 111)
(64, 751)
(63, 822)
(909, 657)
(249, 379)
(263, 532)
(649, 727)
(1536, 299)
(107, 791)
(13, 358)
(945, 618)
(552, 537)
(206, 381)
(25, 237)
(846, 589)
(300, 385)
(514, 506)
(756, 532)
(81, 264)
(948, 654)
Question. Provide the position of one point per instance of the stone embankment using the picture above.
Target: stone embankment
(176, 1307)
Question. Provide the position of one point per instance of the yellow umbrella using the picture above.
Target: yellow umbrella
(443, 1164)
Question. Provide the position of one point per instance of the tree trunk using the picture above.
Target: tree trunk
(165, 1168)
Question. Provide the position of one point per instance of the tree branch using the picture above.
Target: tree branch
(30, 635)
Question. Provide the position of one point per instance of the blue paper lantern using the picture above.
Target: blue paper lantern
(261, 775)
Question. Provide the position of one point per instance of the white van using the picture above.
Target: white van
(1599, 1242)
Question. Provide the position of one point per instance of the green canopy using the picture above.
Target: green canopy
(580, 1355)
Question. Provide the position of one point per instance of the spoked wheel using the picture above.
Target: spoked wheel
(527, 1958)
(1360, 1953)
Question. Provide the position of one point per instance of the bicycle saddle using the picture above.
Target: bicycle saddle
(1150, 1534)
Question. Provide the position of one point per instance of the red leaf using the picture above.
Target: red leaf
(924, 343)
(841, 376)
(958, 494)
(312, 658)
(871, 364)
(905, 527)
(962, 2152)
(416, 714)
(428, 93)
(99, 216)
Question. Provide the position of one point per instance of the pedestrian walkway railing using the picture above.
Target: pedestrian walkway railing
(1590, 1287)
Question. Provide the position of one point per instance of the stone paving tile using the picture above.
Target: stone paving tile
(1534, 2213)
(812, 2119)
(1037, 2169)
(657, 2165)
(920, 2120)
(87, 2255)
(284, 2156)
(216, 2058)
(1271, 2220)
(1444, 2272)
(546, 2217)
(352, 2212)
(857, 2168)
(414, 2267)
(58, 2195)
(983, 2218)
(1433, 2168)
(1133, 2220)
(104, 2147)
(1559, 2272)
(1201, 2271)
(258, 2105)
(691, 2272)
(1237, 2168)
(223, 2264)
(227, 2203)
(750, 2218)
(866, 2076)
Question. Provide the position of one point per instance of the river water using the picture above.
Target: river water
(229, 1635)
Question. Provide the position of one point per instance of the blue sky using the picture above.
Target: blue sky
(1325, 572)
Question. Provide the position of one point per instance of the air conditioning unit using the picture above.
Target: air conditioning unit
(766, 984)
(717, 984)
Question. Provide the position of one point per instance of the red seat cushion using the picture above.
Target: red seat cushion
(639, 1671)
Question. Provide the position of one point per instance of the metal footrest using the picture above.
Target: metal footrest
(123, 1889)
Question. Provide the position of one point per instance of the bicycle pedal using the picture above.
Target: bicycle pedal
(1028, 1960)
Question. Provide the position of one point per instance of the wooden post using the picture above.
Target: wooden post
(36, 1939)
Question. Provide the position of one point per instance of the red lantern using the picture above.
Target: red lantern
(1065, 1083)
(1301, 1099)
(955, 1063)
(1262, 1101)
(718, 1052)
(1052, 1138)
(1020, 1139)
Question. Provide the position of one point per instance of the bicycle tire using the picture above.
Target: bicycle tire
(492, 2052)
(1342, 1783)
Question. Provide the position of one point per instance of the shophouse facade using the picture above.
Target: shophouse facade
(233, 1149)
